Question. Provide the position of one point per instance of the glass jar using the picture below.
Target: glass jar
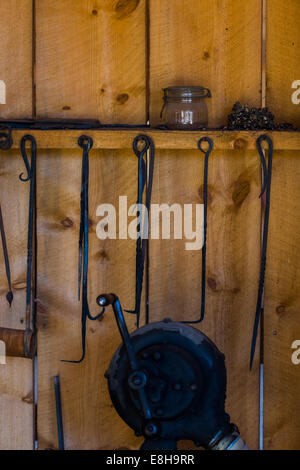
(185, 107)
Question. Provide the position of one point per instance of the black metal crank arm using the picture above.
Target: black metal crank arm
(137, 379)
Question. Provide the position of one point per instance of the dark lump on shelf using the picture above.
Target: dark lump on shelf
(243, 117)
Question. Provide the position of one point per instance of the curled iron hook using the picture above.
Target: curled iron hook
(85, 142)
(210, 145)
(32, 140)
(259, 141)
(137, 140)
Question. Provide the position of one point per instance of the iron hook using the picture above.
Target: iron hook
(259, 141)
(32, 140)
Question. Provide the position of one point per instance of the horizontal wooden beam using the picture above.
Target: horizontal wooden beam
(163, 139)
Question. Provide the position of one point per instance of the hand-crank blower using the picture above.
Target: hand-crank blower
(167, 381)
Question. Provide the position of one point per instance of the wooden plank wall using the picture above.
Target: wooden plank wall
(180, 55)
(91, 60)
(109, 60)
(204, 42)
(282, 299)
(103, 77)
(89, 418)
(16, 384)
(16, 58)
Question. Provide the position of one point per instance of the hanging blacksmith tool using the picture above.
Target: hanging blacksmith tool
(59, 417)
(86, 143)
(206, 152)
(266, 189)
(167, 381)
(145, 181)
(9, 295)
(5, 144)
(19, 342)
(31, 176)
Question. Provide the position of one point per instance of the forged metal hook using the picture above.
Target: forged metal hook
(259, 141)
(266, 188)
(206, 152)
(31, 175)
(142, 242)
(5, 144)
(9, 294)
(30, 169)
(86, 143)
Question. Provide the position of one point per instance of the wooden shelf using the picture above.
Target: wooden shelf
(163, 139)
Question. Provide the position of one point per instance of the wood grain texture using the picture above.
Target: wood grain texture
(204, 42)
(14, 196)
(90, 420)
(16, 382)
(16, 404)
(282, 286)
(16, 57)
(233, 242)
(91, 60)
(283, 59)
(122, 139)
(282, 304)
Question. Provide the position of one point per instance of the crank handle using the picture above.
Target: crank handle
(137, 379)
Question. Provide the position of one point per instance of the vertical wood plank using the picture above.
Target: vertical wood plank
(16, 381)
(204, 42)
(233, 246)
(90, 420)
(282, 304)
(16, 58)
(283, 60)
(14, 202)
(91, 60)
(282, 287)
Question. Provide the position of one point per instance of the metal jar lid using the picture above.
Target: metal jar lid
(186, 92)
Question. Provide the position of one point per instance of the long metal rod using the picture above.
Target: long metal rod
(60, 428)
(9, 295)
(261, 408)
(263, 104)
